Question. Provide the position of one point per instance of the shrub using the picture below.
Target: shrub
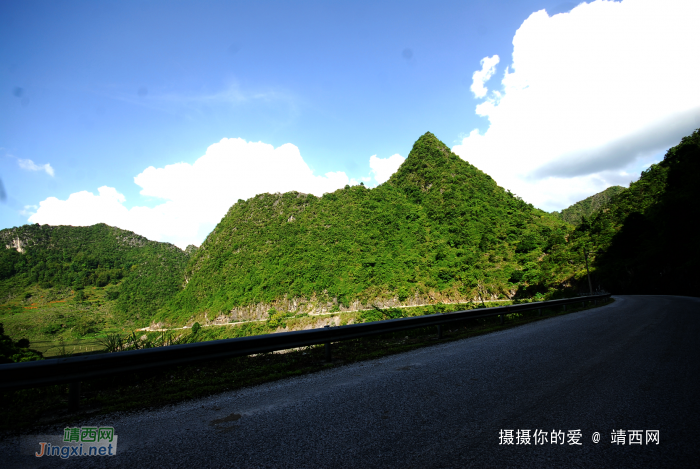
(15, 352)
(85, 327)
(51, 328)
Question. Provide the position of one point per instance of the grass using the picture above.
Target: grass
(47, 316)
(53, 318)
(23, 409)
(67, 342)
(57, 348)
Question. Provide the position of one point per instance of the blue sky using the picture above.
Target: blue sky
(115, 111)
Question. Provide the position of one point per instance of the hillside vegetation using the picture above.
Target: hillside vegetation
(438, 230)
(588, 206)
(58, 278)
(646, 235)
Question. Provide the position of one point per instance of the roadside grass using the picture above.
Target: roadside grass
(48, 316)
(60, 348)
(68, 318)
(45, 406)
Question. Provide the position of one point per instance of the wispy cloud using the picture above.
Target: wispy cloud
(185, 102)
(30, 165)
(29, 210)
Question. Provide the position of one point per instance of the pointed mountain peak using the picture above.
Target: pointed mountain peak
(429, 151)
(429, 145)
(431, 164)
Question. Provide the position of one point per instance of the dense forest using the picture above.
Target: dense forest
(138, 274)
(588, 206)
(646, 235)
(438, 231)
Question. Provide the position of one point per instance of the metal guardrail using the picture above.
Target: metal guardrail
(75, 369)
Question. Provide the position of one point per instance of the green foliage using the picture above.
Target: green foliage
(112, 293)
(277, 319)
(15, 352)
(645, 236)
(51, 329)
(438, 225)
(438, 228)
(86, 326)
(586, 208)
(116, 343)
(380, 314)
(112, 343)
(139, 275)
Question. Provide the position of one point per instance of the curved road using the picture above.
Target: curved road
(631, 365)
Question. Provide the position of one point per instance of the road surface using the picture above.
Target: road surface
(631, 365)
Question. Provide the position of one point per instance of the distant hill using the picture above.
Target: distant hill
(587, 206)
(42, 265)
(438, 230)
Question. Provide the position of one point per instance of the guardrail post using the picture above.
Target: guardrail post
(439, 328)
(539, 311)
(327, 349)
(73, 396)
(501, 317)
(563, 307)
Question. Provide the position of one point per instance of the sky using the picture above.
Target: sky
(157, 116)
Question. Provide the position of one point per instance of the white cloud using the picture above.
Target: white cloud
(196, 196)
(591, 95)
(29, 165)
(488, 68)
(82, 209)
(28, 210)
(382, 168)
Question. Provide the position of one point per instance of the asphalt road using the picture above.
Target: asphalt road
(631, 365)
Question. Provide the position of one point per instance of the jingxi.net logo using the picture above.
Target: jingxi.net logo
(77, 442)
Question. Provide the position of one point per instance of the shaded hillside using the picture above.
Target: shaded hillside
(139, 275)
(647, 234)
(438, 230)
(588, 206)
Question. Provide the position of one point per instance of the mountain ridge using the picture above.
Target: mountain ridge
(140, 274)
(438, 228)
(587, 207)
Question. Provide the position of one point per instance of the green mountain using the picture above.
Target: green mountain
(645, 236)
(73, 277)
(438, 230)
(587, 207)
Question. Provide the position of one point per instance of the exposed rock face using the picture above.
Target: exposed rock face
(17, 244)
(20, 239)
(315, 306)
